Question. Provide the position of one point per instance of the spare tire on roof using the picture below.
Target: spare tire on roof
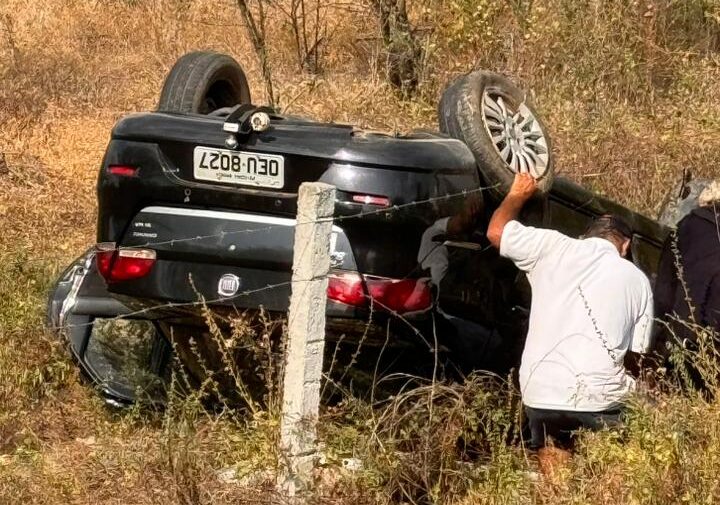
(203, 81)
(499, 124)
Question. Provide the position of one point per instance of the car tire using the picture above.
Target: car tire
(476, 106)
(201, 82)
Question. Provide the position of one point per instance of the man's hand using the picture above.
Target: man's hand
(523, 188)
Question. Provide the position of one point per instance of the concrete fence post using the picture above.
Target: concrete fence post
(306, 336)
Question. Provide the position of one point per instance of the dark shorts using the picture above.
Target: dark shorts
(560, 425)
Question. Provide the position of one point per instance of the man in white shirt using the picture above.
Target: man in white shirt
(590, 307)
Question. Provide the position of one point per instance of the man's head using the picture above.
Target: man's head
(613, 229)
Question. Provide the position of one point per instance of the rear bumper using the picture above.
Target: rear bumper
(80, 298)
(81, 291)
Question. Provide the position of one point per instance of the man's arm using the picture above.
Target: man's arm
(522, 190)
(642, 334)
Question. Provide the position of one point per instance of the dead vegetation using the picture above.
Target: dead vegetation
(628, 91)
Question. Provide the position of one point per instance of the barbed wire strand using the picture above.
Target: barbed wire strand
(335, 219)
(174, 305)
(204, 302)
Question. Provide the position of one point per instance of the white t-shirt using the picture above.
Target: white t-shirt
(589, 306)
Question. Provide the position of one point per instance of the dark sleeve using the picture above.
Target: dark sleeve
(667, 280)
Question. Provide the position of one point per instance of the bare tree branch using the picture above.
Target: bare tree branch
(256, 32)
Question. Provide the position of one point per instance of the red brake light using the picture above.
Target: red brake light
(396, 295)
(123, 264)
(105, 252)
(380, 201)
(123, 170)
(132, 264)
(347, 287)
(401, 296)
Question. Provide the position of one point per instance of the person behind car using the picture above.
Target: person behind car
(433, 255)
(691, 298)
(470, 343)
(590, 307)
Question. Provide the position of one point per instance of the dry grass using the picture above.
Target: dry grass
(628, 90)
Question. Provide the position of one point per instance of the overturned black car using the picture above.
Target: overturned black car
(198, 201)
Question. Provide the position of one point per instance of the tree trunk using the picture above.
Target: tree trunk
(403, 51)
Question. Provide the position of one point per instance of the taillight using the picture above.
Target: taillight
(123, 170)
(132, 264)
(396, 295)
(347, 287)
(104, 254)
(380, 201)
(400, 295)
(123, 264)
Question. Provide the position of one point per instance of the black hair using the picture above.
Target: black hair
(609, 226)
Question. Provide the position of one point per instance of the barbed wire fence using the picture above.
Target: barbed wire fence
(306, 318)
(250, 231)
(150, 311)
(25, 261)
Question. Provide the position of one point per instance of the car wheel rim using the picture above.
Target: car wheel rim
(516, 135)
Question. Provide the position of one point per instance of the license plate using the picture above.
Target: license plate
(238, 167)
